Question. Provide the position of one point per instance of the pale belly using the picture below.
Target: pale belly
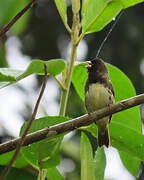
(98, 97)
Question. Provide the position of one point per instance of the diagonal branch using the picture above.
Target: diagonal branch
(70, 125)
(19, 14)
(22, 139)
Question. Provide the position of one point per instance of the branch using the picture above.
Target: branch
(21, 13)
(73, 124)
(22, 139)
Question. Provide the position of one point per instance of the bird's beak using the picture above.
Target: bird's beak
(89, 64)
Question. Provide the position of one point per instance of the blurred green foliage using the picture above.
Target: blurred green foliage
(8, 9)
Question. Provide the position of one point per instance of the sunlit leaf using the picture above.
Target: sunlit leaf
(9, 76)
(61, 6)
(54, 67)
(128, 3)
(19, 163)
(97, 14)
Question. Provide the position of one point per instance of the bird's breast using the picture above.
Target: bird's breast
(98, 97)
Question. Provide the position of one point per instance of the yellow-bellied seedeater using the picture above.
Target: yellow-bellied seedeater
(99, 93)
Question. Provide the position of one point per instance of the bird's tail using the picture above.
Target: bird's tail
(103, 137)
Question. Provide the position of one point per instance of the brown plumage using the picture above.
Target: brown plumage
(99, 92)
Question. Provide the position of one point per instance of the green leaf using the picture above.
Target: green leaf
(54, 67)
(99, 163)
(131, 163)
(19, 163)
(129, 143)
(21, 174)
(3, 59)
(123, 90)
(9, 76)
(53, 173)
(45, 153)
(128, 3)
(97, 14)
(128, 140)
(131, 117)
(79, 78)
(61, 6)
(8, 9)
(87, 163)
(124, 138)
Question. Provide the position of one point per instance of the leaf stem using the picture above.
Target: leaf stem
(67, 27)
(42, 174)
(80, 37)
(60, 83)
(65, 93)
(74, 37)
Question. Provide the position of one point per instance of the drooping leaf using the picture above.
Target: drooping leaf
(87, 163)
(99, 163)
(45, 153)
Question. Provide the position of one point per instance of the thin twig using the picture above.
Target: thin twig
(70, 125)
(19, 14)
(59, 83)
(22, 139)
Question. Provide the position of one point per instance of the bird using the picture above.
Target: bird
(99, 93)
